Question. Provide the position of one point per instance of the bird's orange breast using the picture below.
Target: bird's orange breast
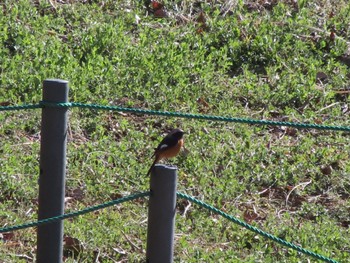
(171, 152)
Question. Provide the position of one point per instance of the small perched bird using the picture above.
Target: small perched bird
(169, 147)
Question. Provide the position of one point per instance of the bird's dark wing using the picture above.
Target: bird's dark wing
(168, 141)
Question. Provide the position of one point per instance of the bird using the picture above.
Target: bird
(169, 147)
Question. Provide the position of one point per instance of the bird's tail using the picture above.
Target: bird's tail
(154, 162)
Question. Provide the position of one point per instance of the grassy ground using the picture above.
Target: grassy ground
(276, 60)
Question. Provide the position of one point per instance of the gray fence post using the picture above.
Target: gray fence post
(52, 172)
(161, 215)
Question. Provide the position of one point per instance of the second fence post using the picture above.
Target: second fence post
(52, 172)
(161, 215)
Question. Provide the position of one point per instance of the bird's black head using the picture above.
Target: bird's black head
(177, 133)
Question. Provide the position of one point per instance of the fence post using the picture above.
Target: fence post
(161, 215)
(52, 172)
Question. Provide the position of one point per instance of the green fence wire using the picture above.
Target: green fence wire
(178, 114)
(180, 195)
(21, 107)
(74, 214)
(256, 230)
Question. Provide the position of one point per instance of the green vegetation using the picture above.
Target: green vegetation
(277, 60)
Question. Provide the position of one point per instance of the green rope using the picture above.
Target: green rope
(74, 214)
(43, 104)
(254, 229)
(20, 107)
(197, 116)
(180, 195)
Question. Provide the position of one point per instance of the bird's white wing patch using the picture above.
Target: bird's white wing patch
(163, 146)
